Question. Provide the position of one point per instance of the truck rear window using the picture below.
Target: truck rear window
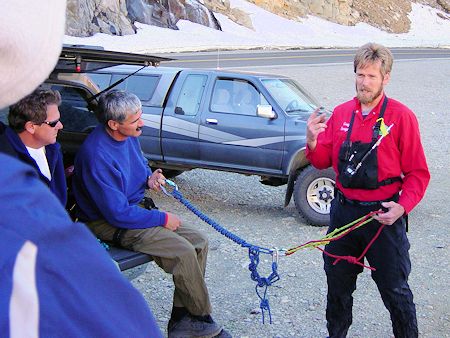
(143, 86)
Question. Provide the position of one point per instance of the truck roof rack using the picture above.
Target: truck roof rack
(80, 58)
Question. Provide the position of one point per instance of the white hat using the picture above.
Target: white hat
(31, 34)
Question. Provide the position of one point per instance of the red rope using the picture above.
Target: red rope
(352, 259)
(341, 232)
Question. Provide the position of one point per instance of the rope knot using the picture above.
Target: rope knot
(350, 259)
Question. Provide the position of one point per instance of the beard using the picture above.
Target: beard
(367, 97)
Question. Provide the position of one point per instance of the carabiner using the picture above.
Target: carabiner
(277, 253)
(171, 184)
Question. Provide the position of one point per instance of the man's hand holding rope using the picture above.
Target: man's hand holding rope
(395, 211)
(154, 182)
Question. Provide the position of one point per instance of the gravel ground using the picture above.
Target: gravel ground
(255, 213)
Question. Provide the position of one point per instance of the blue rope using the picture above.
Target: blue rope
(262, 283)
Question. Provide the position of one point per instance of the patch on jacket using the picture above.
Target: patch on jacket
(345, 126)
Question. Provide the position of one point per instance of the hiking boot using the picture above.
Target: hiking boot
(193, 327)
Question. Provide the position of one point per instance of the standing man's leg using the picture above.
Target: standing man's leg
(341, 278)
(339, 303)
(389, 255)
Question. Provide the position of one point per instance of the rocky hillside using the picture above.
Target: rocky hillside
(117, 17)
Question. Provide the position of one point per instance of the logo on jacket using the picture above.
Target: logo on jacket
(345, 126)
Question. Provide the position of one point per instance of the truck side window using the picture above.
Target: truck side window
(246, 98)
(221, 100)
(191, 94)
(235, 96)
(75, 113)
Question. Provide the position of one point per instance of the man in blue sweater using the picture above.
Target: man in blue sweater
(31, 137)
(111, 176)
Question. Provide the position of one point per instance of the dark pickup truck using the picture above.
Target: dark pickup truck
(248, 123)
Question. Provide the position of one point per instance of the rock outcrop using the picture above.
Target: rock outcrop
(117, 17)
(87, 17)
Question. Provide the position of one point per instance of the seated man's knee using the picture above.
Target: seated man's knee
(203, 241)
(186, 252)
(198, 239)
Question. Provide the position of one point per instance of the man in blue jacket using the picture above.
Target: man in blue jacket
(31, 137)
(111, 176)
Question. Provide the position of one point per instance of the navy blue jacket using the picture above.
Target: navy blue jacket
(68, 284)
(11, 143)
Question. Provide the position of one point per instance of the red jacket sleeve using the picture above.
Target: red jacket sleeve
(413, 163)
(321, 156)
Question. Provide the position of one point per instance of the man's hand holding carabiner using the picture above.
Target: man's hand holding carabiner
(315, 125)
(156, 179)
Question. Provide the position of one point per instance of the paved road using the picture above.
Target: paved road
(232, 59)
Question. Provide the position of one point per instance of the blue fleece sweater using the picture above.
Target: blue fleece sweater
(54, 158)
(110, 180)
(80, 292)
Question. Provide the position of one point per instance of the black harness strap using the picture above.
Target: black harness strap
(390, 180)
(376, 128)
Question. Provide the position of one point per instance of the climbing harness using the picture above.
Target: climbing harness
(262, 283)
(357, 161)
(383, 131)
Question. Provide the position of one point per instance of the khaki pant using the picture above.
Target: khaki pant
(181, 253)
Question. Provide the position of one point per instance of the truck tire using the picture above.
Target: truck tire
(313, 193)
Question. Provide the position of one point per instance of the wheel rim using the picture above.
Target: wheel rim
(320, 193)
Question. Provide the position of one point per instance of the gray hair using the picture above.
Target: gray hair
(371, 53)
(32, 107)
(116, 105)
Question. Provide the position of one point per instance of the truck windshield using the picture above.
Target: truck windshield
(291, 97)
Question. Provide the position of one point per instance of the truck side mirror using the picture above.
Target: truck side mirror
(266, 111)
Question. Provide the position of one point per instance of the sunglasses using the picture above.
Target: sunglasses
(51, 123)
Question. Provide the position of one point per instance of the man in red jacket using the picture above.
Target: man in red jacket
(390, 174)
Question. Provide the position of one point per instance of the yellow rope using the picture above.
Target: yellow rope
(332, 235)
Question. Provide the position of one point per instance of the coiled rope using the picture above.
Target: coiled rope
(262, 283)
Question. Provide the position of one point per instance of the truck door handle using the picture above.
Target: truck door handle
(211, 121)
